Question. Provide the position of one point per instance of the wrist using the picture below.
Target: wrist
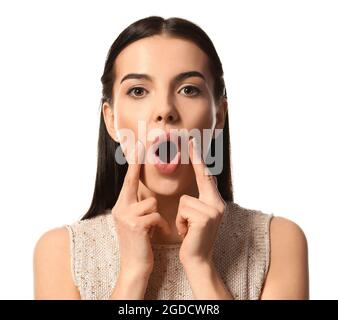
(130, 285)
(131, 275)
(136, 269)
(205, 281)
(196, 263)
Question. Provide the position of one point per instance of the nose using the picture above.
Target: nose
(166, 114)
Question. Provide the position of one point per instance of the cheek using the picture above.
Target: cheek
(125, 120)
(127, 128)
(199, 117)
(204, 121)
(128, 116)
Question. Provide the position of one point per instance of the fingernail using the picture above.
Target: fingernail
(133, 153)
(196, 153)
(137, 146)
(193, 144)
(139, 151)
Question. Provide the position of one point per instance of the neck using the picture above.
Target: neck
(167, 207)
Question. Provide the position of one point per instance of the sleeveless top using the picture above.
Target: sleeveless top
(241, 255)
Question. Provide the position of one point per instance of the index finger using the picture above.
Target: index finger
(206, 182)
(131, 179)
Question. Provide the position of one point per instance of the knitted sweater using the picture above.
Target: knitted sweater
(241, 255)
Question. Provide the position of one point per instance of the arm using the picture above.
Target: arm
(52, 275)
(51, 264)
(130, 286)
(288, 275)
(206, 282)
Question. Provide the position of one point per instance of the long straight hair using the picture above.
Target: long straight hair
(110, 174)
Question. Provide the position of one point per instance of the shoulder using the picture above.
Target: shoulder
(57, 237)
(288, 240)
(285, 232)
(287, 277)
(288, 244)
(53, 243)
(51, 262)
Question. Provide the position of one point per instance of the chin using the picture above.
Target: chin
(162, 184)
(165, 187)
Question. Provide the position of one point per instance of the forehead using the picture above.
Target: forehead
(162, 57)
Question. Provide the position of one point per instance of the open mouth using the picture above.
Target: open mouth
(167, 153)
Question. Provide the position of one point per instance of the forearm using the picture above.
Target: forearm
(130, 286)
(206, 282)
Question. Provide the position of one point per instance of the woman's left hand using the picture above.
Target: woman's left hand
(198, 220)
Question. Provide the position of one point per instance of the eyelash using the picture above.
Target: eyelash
(195, 88)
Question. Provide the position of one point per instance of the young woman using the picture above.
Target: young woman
(168, 231)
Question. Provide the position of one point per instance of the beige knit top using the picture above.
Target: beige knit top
(241, 255)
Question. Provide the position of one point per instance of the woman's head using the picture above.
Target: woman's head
(170, 98)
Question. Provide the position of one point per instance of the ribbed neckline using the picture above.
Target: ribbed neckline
(155, 245)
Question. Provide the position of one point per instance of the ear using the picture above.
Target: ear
(108, 116)
(221, 114)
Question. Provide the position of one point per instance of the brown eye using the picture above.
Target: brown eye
(194, 89)
(135, 90)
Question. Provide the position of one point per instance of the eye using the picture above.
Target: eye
(197, 90)
(134, 90)
(140, 89)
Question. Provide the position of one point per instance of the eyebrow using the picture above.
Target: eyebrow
(177, 78)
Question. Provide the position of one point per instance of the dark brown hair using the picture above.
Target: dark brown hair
(110, 174)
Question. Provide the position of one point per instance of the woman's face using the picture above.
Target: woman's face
(160, 102)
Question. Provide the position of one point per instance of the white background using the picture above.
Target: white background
(281, 74)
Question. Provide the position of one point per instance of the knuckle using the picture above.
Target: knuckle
(182, 206)
(214, 213)
(134, 226)
(153, 202)
(116, 215)
(156, 216)
(184, 198)
(221, 207)
(204, 221)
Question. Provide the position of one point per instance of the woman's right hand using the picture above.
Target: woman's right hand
(134, 220)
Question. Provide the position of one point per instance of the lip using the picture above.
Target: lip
(165, 167)
(173, 137)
